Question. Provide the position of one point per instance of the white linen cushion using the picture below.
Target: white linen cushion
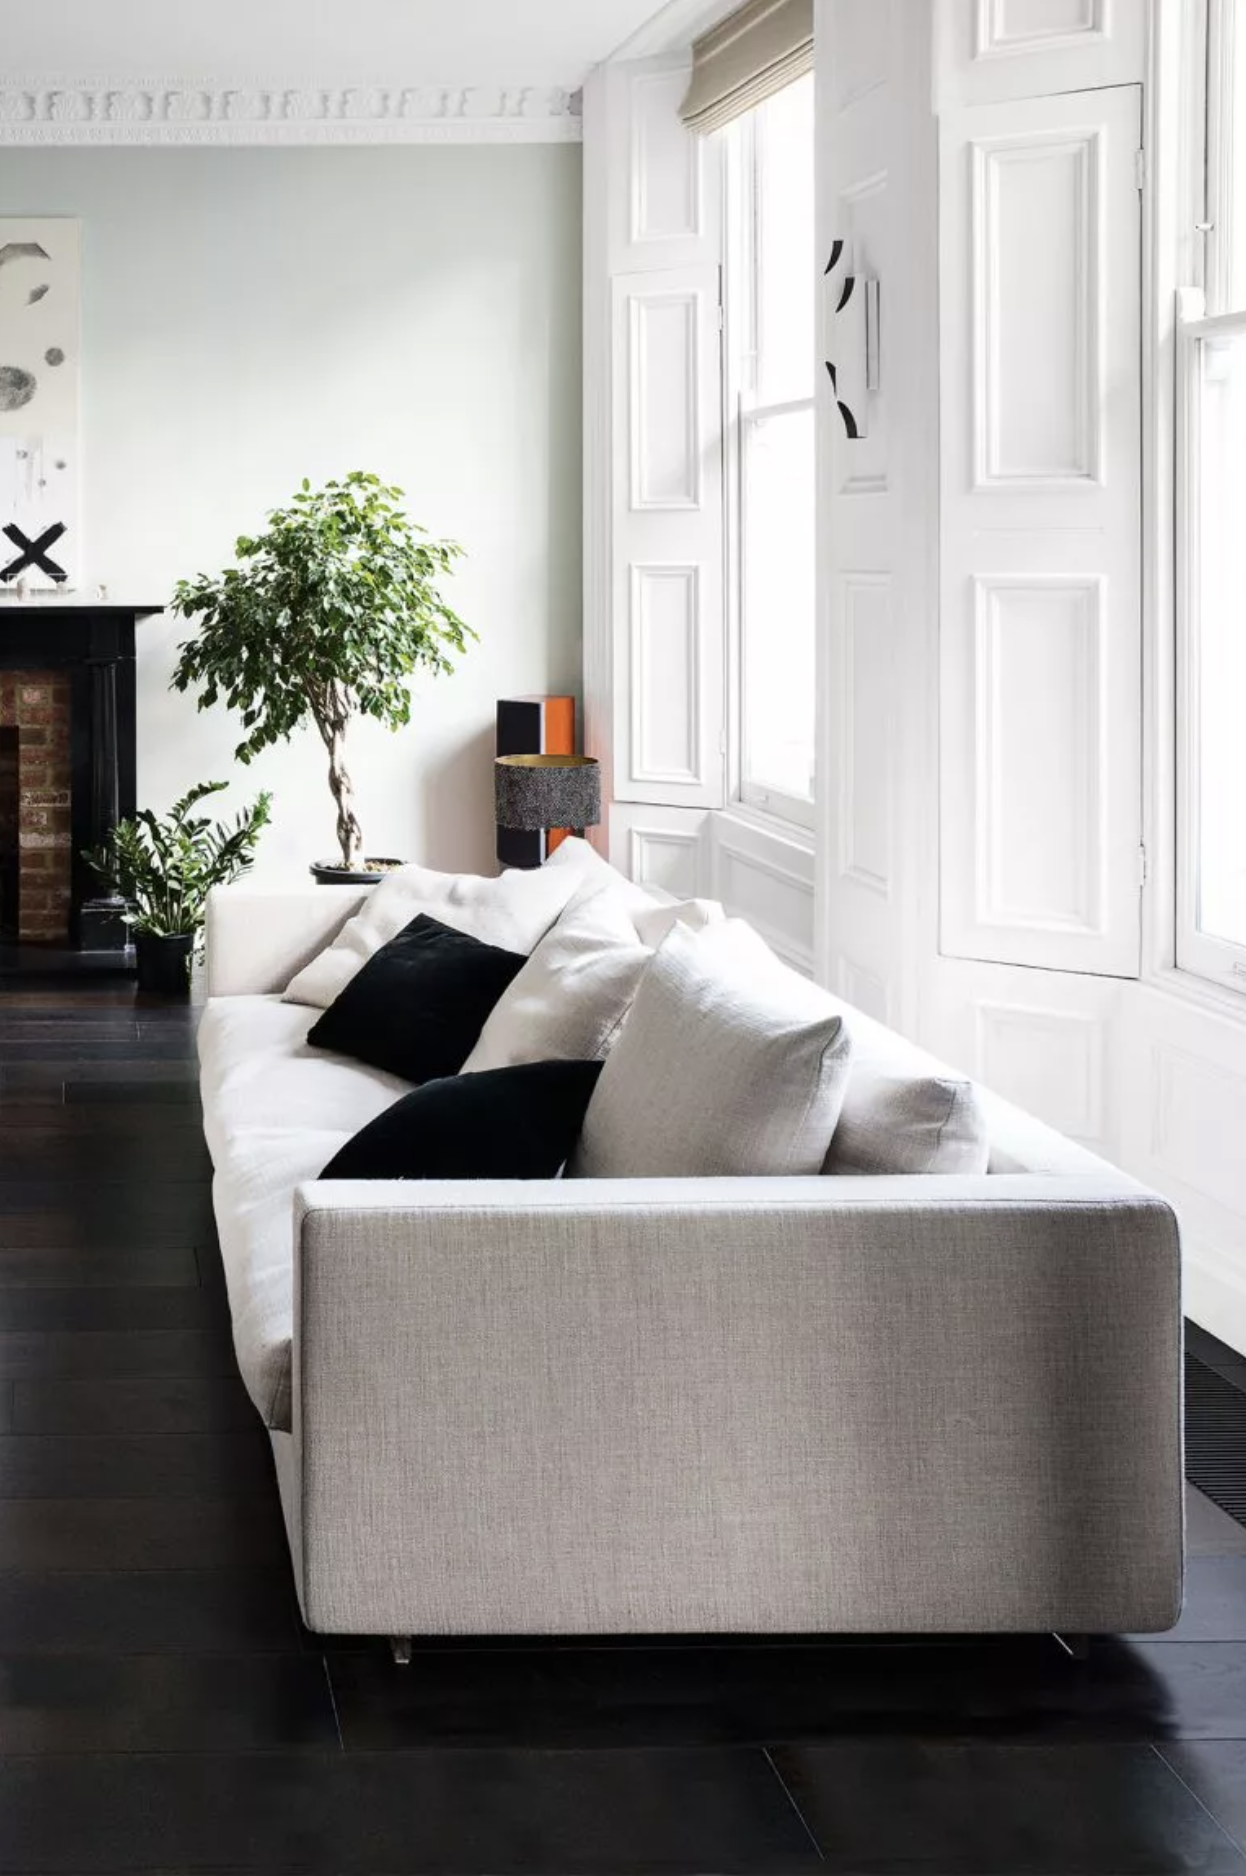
(591, 870)
(514, 911)
(904, 1111)
(728, 1063)
(274, 1113)
(655, 921)
(570, 998)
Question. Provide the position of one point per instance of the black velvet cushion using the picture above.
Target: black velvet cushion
(504, 1123)
(419, 1003)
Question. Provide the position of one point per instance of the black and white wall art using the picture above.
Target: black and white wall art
(39, 345)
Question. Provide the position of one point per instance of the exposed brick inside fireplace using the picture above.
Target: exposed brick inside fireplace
(36, 704)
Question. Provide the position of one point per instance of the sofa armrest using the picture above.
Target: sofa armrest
(820, 1404)
(257, 937)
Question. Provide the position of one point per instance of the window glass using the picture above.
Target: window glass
(1218, 677)
(779, 602)
(785, 252)
(776, 453)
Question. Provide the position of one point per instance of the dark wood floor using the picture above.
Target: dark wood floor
(161, 1708)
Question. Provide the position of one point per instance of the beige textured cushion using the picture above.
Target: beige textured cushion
(904, 1112)
(569, 999)
(728, 1063)
(513, 911)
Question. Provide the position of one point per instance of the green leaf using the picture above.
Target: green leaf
(336, 607)
(166, 867)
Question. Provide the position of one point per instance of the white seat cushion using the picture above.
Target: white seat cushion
(729, 1063)
(275, 1112)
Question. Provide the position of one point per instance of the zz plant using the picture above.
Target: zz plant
(165, 867)
(327, 616)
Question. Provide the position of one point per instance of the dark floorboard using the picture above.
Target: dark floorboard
(898, 1807)
(162, 1708)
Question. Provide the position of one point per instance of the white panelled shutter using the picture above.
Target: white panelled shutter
(666, 448)
(668, 538)
(1040, 645)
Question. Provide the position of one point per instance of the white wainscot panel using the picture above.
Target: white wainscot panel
(1048, 1061)
(1039, 785)
(664, 403)
(1037, 292)
(1011, 26)
(665, 674)
(867, 749)
(665, 862)
(864, 989)
(663, 849)
(1200, 1126)
(667, 191)
(768, 880)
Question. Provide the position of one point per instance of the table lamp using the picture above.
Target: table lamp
(537, 792)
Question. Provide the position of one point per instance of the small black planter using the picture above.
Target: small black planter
(325, 873)
(164, 963)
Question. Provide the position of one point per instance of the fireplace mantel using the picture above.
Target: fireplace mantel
(94, 643)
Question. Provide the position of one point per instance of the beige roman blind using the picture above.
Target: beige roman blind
(745, 59)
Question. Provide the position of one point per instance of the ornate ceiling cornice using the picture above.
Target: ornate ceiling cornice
(58, 110)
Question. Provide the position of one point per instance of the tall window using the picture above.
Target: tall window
(1212, 665)
(771, 339)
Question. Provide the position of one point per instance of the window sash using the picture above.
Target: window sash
(768, 796)
(1225, 215)
(1205, 954)
(745, 409)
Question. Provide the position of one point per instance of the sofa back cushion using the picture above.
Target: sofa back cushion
(513, 911)
(569, 999)
(904, 1111)
(729, 1063)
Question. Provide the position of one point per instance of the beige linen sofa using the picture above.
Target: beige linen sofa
(889, 1404)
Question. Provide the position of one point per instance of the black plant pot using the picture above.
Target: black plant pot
(326, 873)
(164, 963)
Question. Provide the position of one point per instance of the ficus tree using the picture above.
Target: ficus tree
(327, 615)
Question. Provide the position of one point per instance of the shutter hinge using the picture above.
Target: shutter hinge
(1140, 168)
(1143, 871)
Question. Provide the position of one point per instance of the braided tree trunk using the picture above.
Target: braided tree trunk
(331, 721)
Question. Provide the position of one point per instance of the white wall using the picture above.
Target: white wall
(254, 316)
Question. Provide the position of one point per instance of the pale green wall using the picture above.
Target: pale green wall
(254, 316)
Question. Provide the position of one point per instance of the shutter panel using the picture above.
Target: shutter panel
(1041, 645)
(995, 49)
(877, 181)
(654, 631)
(667, 535)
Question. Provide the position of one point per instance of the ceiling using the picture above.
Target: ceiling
(420, 42)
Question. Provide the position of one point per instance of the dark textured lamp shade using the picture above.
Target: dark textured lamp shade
(535, 792)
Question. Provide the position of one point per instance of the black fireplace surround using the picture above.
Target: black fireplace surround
(95, 644)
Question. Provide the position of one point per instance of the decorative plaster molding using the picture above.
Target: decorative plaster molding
(58, 110)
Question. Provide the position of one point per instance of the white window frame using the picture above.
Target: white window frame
(743, 408)
(1218, 960)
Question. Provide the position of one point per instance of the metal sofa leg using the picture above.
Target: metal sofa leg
(400, 1648)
